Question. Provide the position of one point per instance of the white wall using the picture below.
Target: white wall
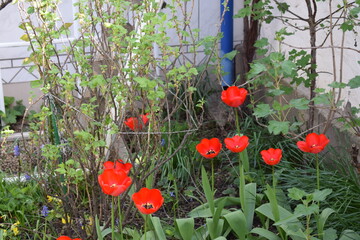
(205, 16)
(324, 57)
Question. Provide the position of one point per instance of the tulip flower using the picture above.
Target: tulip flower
(209, 148)
(271, 156)
(114, 182)
(234, 96)
(119, 165)
(145, 118)
(66, 238)
(313, 143)
(147, 200)
(237, 143)
(133, 123)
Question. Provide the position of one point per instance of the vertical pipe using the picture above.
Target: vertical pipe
(2, 101)
(227, 30)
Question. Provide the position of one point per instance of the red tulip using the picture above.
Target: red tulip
(145, 118)
(234, 96)
(114, 182)
(133, 123)
(209, 148)
(118, 166)
(313, 143)
(66, 238)
(147, 200)
(237, 143)
(271, 156)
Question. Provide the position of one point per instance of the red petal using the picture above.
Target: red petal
(303, 146)
(312, 139)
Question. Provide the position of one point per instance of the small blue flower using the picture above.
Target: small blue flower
(16, 150)
(27, 177)
(162, 142)
(45, 211)
(172, 194)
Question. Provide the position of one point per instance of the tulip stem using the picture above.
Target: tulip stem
(146, 222)
(317, 172)
(212, 176)
(273, 177)
(237, 121)
(241, 167)
(112, 218)
(120, 219)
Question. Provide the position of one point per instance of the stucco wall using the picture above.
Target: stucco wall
(301, 39)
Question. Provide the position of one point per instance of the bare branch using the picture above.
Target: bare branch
(4, 3)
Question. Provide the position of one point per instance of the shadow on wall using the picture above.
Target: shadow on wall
(23, 91)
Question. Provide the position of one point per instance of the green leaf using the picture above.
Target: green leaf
(337, 85)
(266, 210)
(280, 107)
(276, 127)
(302, 210)
(295, 126)
(214, 227)
(275, 92)
(257, 68)
(319, 196)
(25, 38)
(322, 220)
(250, 201)
(330, 234)
(296, 194)
(207, 190)
(30, 10)
(262, 110)
(243, 12)
(263, 42)
(322, 99)
(349, 235)
(354, 82)
(36, 83)
(185, 227)
(158, 228)
(265, 233)
(288, 67)
(300, 103)
(8, 101)
(347, 26)
(148, 235)
(237, 222)
(98, 230)
(67, 25)
(230, 55)
(283, 7)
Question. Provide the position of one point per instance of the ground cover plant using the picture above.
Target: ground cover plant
(127, 149)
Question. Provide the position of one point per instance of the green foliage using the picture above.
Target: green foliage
(13, 110)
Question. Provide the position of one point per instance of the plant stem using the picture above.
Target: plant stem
(317, 172)
(120, 219)
(145, 227)
(112, 218)
(273, 178)
(242, 185)
(212, 176)
(241, 168)
(237, 121)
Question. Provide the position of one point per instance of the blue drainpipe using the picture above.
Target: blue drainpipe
(227, 42)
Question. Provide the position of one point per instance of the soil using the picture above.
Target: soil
(14, 161)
